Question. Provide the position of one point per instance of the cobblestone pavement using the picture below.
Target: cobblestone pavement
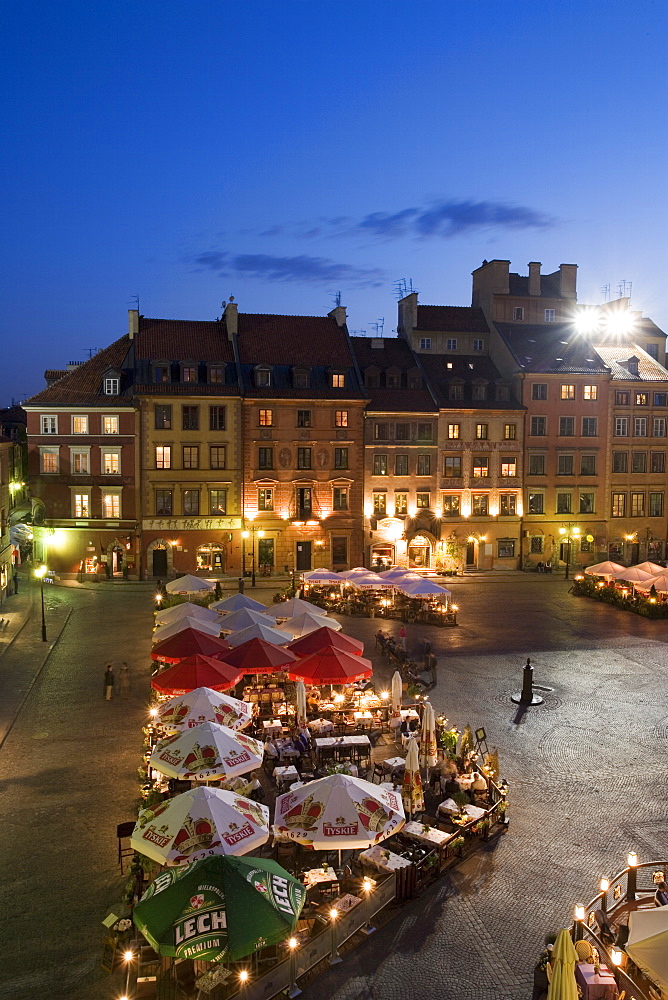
(587, 772)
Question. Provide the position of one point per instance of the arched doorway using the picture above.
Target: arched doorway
(419, 552)
(159, 558)
(211, 557)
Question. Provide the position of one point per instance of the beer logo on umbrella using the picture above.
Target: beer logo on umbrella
(200, 758)
(197, 901)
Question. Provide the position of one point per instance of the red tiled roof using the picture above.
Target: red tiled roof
(292, 340)
(401, 400)
(83, 385)
(182, 340)
(54, 373)
(451, 319)
(395, 353)
(615, 357)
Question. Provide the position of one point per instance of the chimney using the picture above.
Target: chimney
(568, 276)
(534, 277)
(408, 315)
(339, 315)
(231, 315)
(133, 323)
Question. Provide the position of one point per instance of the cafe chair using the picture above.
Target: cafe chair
(123, 833)
(584, 951)
(378, 772)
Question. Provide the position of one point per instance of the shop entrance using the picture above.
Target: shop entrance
(117, 561)
(303, 563)
(382, 556)
(419, 553)
(160, 561)
(470, 553)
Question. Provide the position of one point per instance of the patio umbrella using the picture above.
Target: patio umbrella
(187, 643)
(199, 823)
(324, 637)
(633, 575)
(203, 704)
(295, 606)
(207, 753)
(330, 666)
(300, 696)
(650, 567)
(243, 618)
(338, 812)
(346, 574)
(564, 956)
(257, 656)
(647, 945)
(194, 672)
(322, 576)
(400, 574)
(428, 752)
(259, 632)
(412, 794)
(235, 603)
(422, 588)
(188, 585)
(307, 622)
(164, 616)
(660, 583)
(370, 581)
(220, 906)
(173, 628)
(397, 691)
(604, 569)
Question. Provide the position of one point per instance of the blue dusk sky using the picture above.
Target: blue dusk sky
(284, 151)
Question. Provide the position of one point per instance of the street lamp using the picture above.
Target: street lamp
(569, 533)
(244, 536)
(39, 573)
(260, 534)
(128, 957)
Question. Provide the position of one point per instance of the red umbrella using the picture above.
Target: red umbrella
(322, 638)
(187, 643)
(194, 672)
(257, 656)
(331, 666)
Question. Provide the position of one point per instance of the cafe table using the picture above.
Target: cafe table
(409, 713)
(433, 837)
(287, 773)
(342, 742)
(273, 727)
(465, 782)
(599, 985)
(321, 725)
(383, 859)
(395, 763)
(317, 875)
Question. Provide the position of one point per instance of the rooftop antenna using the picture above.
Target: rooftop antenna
(624, 288)
(337, 299)
(403, 287)
(378, 326)
(92, 351)
(135, 299)
(605, 291)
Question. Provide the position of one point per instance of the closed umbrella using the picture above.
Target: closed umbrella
(199, 823)
(235, 603)
(187, 643)
(324, 637)
(428, 752)
(258, 631)
(164, 616)
(300, 693)
(295, 606)
(207, 753)
(243, 618)
(194, 672)
(173, 628)
(257, 656)
(188, 585)
(397, 690)
(412, 794)
(307, 622)
(563, 985)
(203, 705)
(219, 907)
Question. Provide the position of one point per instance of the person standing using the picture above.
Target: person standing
(402, 637)
(15, 578)
(108, 682)
(124, 681)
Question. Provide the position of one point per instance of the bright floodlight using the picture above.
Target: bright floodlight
(618, 324)
(587, 321)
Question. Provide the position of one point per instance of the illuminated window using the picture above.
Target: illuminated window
(189, 374)
(637, 505)
(451, 505)
(340, 418)
(618, 504)
(163, 456)
(111, 462)
(453, 431)
(480, 466)
(590, 392)
(505, 548)
(642, 399)
(49, 460)
(110, 425)
(111, 505)
(400, 503)
(266, 418)
(80, 425)
(568, 392)
(422, 500)
(508, 466)
(480, 504)
(380, 504)
(481, 432)
(338, 381)
(265, 498)
(82, 505)
(509, 432)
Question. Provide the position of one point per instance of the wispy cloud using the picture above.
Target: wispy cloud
(315, 270)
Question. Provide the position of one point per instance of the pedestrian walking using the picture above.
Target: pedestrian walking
(124, 681)
(108, 682)
(241, 585)
(402, 637)
(15, 579)
(426, 651)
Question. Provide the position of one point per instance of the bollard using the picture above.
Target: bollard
(527, 696)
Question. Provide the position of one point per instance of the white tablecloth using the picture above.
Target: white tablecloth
(286, 773)
(342, 741)
(432, 836)
(317, 875)
(321, 725)
(383, 859)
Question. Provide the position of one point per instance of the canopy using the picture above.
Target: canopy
(397, 690)
(660, 583)
(338, 812)
(331, 666)
(563, 985)
(307, 622)
(220, 906)
(412, 794)
(369, 581)
(207, 753)
(187, 643)
(259, 632)
(647, 945)
(428, 750)
(199, 823)
(188, 585)
(194, 672)
(164, 616)
(356, 571)
(324, 637)
(257, 656)
(295, 606)
(322, 576)
(179, 624)
(649, 567)
(203, 704)
(243, 618)
(235, 603)
(399, 574)
(422, 588)
(604, 569)
(633, 575)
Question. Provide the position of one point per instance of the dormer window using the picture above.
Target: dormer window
(338, 380)
(502, 393)
(216, 374)
(263, 377)
(112, 386)
(479, 392)
(161, 373)
(189, 373)
(300, 378)
(456, 391)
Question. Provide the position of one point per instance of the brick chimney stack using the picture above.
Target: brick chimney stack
(133, 323)
(534, 277)
(231, 318)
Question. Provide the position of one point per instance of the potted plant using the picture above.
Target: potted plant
(502, 812)
(457, 845)
(484, 825)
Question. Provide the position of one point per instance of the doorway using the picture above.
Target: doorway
(634, 549)
(160, 562)
(419, 553)
(117, 561)
(470, 553)
(265, 556)
(303, 563)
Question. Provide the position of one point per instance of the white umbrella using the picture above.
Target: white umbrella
(172, 628)
(259, 632)
(338, 812)
(633, 575)
(370, 581)
(300, 692)
(164, 616)
(422, 588)
(650, 567)
(307, 622)
(199, 823)
(412, 794)
(188, 585)
(428, 752)
(235, 603)
(203, 705)
(243, 618)
(660, 583)
(295, 606)
(397, 684)
(322, 576)
(348, 573)
(604, 569)
(398, 574)
(207, 753)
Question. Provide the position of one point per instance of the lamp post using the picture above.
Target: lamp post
(335, 958)
(244, 536)
(569, 533)
(128, 956)
(39, 573)
(293, 989)
(260, 534)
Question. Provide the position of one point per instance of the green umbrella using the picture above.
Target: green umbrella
(220, 906)
(564, 956)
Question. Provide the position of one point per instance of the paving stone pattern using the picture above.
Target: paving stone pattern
(587, 772)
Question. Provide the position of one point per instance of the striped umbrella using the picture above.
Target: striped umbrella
(412, 795)
(428, 753)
